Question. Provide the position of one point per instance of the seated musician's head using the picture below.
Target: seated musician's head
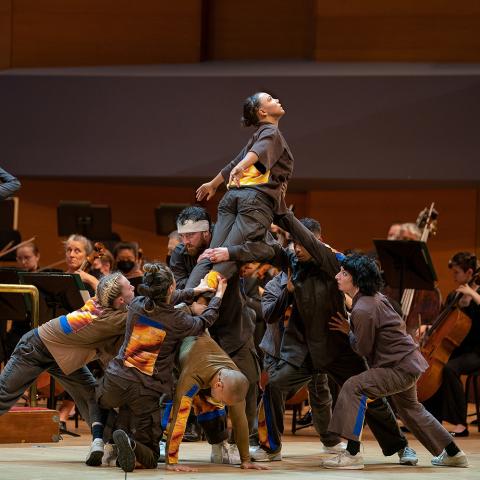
(395, 231)
(158, 284)
(28, 257)
(126, 256)
(77, 247)
(173, 240)
(229, 386)
(300, 251)
(194, 228)
(464, 265)
(359, 273)
(114, 291)
(410, 231)
(103, 265)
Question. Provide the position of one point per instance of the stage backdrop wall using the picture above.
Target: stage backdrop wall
(185, 123)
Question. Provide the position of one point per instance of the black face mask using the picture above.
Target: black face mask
(167, 259)
(125, 265)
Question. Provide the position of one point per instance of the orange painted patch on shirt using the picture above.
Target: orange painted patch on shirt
(144, 346)
(205, 403)
(252, 176)
(84, 316)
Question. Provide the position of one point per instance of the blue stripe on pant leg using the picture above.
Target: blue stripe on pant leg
(268, 420)
(205, 417)
(166, 414)
(357, 429)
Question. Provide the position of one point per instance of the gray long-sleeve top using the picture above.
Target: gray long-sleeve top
(316, 300)
(275, 301)
(379, 334)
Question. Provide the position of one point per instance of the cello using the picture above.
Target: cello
(442, 338)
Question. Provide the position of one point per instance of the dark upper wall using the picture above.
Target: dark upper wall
(39, 33)
(184, 122)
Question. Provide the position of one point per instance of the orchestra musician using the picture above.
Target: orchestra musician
(425, 305)
(77, 248)
(449, 403)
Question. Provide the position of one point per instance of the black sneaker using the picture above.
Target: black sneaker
(306, 419)
(126, 455)
(191, 433)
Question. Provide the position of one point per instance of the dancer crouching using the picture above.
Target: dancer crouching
(142, 371)
(377, 332)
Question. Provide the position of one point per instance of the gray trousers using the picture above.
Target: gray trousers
(284, 380)
(243, 214)
(29, 359)
(380, 417)
(139, 415)
(245, 359)
(352, 402)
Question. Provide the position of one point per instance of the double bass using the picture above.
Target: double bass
(442, 338)
(417, 304)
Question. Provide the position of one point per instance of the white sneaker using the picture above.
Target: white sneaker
(110, 455)
(444, 460)
(407, 456)
(225, 453)
(258, 454)
(345, 461)
(162, 445)
(338, 448)
(95, 454)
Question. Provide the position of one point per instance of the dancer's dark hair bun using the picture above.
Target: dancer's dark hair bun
(250, 109)
(157, 279)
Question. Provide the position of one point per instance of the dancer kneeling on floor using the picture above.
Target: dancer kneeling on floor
(142, 371)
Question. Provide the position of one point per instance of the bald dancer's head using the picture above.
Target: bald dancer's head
(229, 386)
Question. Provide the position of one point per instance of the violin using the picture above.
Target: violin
(97, 252)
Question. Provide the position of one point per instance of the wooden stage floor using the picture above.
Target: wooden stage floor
(301, 460)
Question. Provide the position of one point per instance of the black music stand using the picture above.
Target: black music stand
(60, 294)
(12, 307)
(166, 217)
(9, 214)
(91, 221)
(8, 227)
(406, 264)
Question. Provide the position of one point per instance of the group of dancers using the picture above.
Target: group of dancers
(186, 341)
